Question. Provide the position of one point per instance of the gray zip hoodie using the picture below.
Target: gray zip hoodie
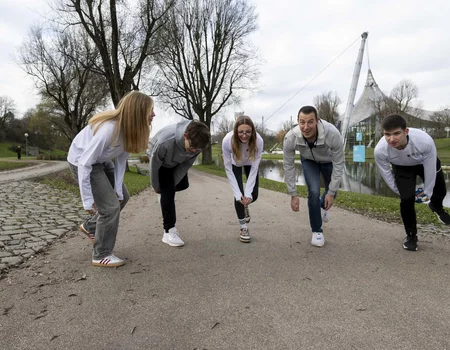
(328, 148)
(166, 149)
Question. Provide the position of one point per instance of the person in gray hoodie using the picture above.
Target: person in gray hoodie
(172, 151)
(321, 152)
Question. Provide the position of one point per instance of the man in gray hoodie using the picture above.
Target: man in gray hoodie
(321, 152)
(172, 151)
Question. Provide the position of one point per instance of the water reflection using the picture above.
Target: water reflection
(358, 177)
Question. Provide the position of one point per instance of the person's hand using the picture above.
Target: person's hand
(328, 201)
(295, 203)
(92, 211)
(245, 200)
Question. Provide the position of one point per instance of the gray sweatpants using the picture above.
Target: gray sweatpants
(105, 223)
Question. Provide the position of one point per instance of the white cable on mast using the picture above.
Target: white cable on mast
(309, 82)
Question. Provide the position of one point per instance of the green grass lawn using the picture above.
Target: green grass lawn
(12, 165)
(63, 181)
(5, 152)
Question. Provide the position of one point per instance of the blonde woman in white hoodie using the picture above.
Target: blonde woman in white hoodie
(242, 149)
(109, 135)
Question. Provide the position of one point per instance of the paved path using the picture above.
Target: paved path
(361, 291)
(39, 169)
(33, 215)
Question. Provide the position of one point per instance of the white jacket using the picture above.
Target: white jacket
(88, 149)
(328, 148)
(228, 161)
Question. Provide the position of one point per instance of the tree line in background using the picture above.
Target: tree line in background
(195, 56)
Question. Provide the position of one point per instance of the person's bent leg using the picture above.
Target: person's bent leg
(311, 172)
(437, 198)
(168, 189)
(88, 226)
(238, 206)
(327, 170)
(405, 179)
(108, 208)
(183, 184)
(244, 233)
(255, 191)
(167, 185)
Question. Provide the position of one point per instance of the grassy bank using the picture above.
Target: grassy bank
(12, 165)
(63, 180)
(378, 207)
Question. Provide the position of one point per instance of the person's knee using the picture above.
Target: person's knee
(409, 200)
(184, 185)
(314, 193)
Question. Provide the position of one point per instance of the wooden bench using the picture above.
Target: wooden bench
(141, 171)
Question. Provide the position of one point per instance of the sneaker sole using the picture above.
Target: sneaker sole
(409, 249)
(107, 265)
(86, 233)
(318, 245)
(172, 244)
(245, 240)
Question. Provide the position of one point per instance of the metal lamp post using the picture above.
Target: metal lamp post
(26, 144)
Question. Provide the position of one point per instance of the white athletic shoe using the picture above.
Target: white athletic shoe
(171, 238)
(109, 261)
(318, 240)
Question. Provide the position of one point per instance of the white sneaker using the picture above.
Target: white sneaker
(325, 216)
(171, 238)
(109, 261)
(318, 240)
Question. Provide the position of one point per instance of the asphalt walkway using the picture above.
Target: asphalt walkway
(360, 291)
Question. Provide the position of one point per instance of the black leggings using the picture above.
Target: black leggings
(168, 189)
(237, 171)
(405, 179)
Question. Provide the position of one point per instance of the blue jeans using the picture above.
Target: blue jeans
(311, 172)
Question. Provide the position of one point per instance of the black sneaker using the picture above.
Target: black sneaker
(441, 214)
(410, 243)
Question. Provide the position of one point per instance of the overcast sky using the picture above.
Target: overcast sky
(297, 39)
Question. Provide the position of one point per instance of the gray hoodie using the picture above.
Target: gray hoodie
(166, 149)
(328, 148)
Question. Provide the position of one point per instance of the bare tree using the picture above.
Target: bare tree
(402, 100)
(225, 126)
(403, 95)
(59, 64)
(442, 118)
(285, 127)
(125, 34)
(7, 109)
(327, 106)
(207, 59)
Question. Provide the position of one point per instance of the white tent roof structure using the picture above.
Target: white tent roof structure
(364, 108)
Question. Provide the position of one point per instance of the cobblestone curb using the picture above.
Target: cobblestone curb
(32, 216)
